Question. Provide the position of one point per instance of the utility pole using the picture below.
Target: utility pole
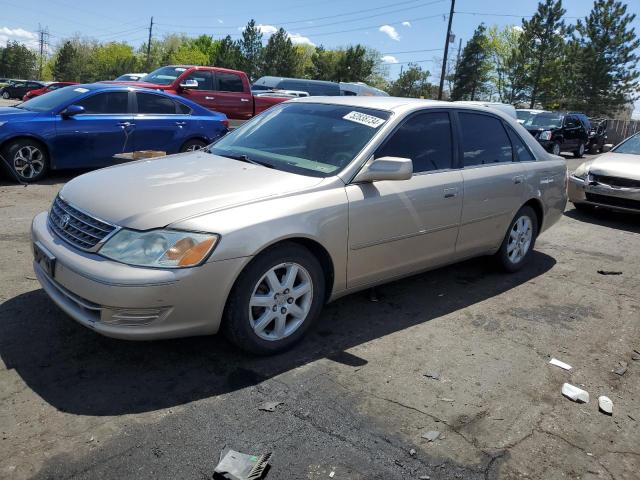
(149, 43)
(43, 41)
(446, 51)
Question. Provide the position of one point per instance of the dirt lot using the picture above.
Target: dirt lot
(355, 398)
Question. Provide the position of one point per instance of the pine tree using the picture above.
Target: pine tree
(280, 56)
(354, 65)
(608, 74)
(413, 82)
(251, 49)
(472, 71)
(227, 54)
(66, 66)
(17, 61)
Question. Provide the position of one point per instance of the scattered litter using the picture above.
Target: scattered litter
(269, 406)
(425, 477)
(605, 404)
(412, 452)
(621, 369)
(433, 375)
(609, 272)
(30, 278)
(636, 351)
(431, 435)
(635, 356)
(447, 399)
(631, 417)
(558, 363)
(332, 474)
(574, 393)
(441, 294)
(589, 454)
(241, 466)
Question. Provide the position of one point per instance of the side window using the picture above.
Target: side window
(229, 82)
(571, 122)
(183, 109)
(484, 140)
(155, 104)
(32, 86)
(523, 154)
(204, 79)
(424, 138)
(106, 103)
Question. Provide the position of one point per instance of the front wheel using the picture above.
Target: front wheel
(275, 300)
(580, 151)
(27, 159)
(555, 148)
(519, 241)
(6, 95)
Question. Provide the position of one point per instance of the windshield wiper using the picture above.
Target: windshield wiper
(245, 158)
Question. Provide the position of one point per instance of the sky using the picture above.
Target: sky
(402, 31)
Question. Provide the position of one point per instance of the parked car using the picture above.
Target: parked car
(558, 132)
(524, 114)
(84, 126)
(503, 107)
(310, 201)
(17, 88)
(611, 181)
(312, 87)
(362, 89)
(131, 77)
(217, 89)
(49, 87)
(597, 135)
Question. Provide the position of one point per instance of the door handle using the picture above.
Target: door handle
(209, 98)
(518, 179)
(124, 124)
(450, 192)
(244, 99)
(181, 124)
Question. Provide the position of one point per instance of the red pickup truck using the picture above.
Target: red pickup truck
(219, 89)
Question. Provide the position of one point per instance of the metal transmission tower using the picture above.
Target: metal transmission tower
(43, 42)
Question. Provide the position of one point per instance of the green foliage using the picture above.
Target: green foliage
(251, 50)
(17, 61)
(413, 82)
(280, 57)
(66, 65)
(111, 60)
(188, 55)
(226, 54)
(472, 72)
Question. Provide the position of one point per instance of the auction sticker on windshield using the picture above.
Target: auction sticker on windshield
(364, 119)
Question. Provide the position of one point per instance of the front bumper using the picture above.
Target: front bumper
(134, 303)
(602, 195)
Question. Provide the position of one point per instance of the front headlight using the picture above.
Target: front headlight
(582, 171)
(2, 123)
(546, 135)
(160, 248)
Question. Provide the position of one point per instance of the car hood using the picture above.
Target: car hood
(10, 113)
(623, 165)
(157, 192)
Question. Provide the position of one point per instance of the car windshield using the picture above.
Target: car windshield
(164, 75)
(544, 121)
(310, 139)
(524, 114)
(630, 145)
(54, 99)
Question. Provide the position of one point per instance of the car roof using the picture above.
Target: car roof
(305, 80)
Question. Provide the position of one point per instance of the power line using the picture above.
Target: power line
(414, 51)
(489, 14)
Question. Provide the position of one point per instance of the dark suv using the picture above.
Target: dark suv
(560, 131)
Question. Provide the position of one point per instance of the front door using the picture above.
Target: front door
(204, 94)
(92, 138)
(399, 227)
(494, 184)
(231, 98)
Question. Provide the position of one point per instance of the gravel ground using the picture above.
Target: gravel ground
(355, 398)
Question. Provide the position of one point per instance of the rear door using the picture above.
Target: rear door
(231, 97)
(494, 184)
(92, 139)
(203, 95)
(399, 227)
(571, 126)
(157, 123)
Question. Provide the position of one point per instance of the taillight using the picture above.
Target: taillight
(225, 122)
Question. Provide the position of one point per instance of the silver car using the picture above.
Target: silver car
(314, 199)
(611, 181)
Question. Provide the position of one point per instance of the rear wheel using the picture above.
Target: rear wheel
(275, 300)
(555, 148)
(519, 241)
(593, 148)
(6, 95)
(192, 146)
(580, 151)
(27, 159)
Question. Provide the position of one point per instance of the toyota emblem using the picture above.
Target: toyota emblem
(64, 221)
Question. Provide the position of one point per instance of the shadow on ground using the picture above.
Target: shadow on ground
(80, 372)
(628, 222)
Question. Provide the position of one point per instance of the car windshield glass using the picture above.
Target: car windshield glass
(545, 121)
(164, 75)
(631, 145)
(54, 99)
(309, 139)
(524, 115)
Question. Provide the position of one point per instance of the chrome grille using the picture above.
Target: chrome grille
(76, 227)
(616, 181)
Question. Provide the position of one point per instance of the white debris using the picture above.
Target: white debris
(574, 393)
(431, 435)
(558, 363)
(605, 404)
(332, 474)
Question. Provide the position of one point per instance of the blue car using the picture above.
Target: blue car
(84, 126)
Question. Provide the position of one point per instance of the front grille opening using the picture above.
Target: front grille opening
(613, 201)
(616, 181)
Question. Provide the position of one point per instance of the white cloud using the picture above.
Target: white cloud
(267, 29)
(517, 28)
(30, 39)
(220, 20)
(298, 39)
(390, 31)
(406, 24)
(389, 59)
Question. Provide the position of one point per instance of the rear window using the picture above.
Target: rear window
(155, 104)
(229, 82)
(484, 140)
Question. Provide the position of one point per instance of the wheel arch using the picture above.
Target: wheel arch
(537, 207)
(6, 142)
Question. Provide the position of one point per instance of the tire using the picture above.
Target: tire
(6, 95)
(593, 148)
(192, 145)
(579, 153)
(262, 328)
(505, 257)
(556, 148)
(28, 160)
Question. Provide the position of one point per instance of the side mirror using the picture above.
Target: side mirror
(189, 84)
(385, 168)
(72, 110)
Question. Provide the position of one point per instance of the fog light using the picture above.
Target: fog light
(133, 316)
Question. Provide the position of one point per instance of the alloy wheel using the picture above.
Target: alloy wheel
(280, 301)
(194, 147)
(520, 239)
(5, 95)
(28, 161)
